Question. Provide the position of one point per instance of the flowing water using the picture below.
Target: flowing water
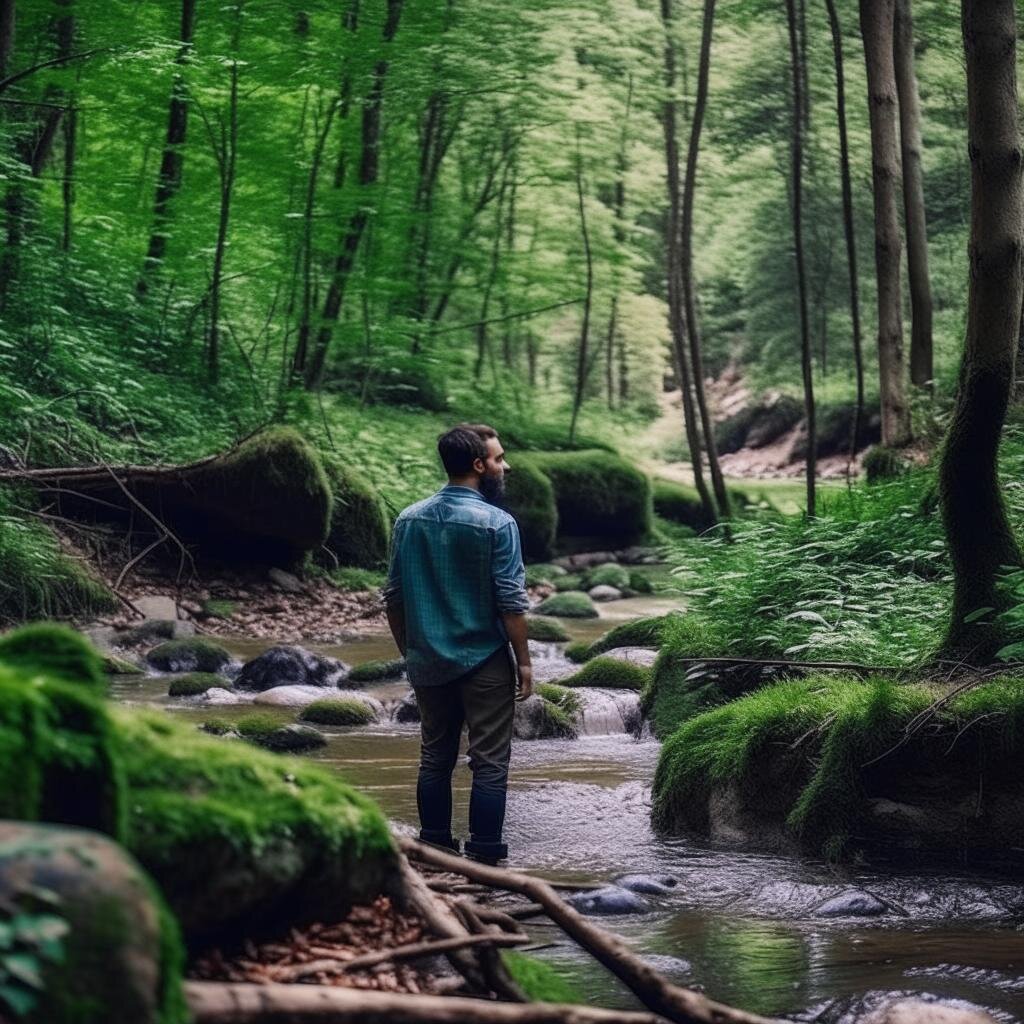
(744, 928)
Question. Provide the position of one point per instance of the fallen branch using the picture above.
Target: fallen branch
(218, 1003)
(411, 951)
(650, 987)
(839, 666)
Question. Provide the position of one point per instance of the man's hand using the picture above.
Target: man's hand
(525, 685)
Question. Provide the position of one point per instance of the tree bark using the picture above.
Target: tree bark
(7, 23)
(980, 539)
(673, 232)
(797, 72)
(686, 261)
(876, 20)
(582, 361)
(172, 163)
(849, 230)
(921, 370)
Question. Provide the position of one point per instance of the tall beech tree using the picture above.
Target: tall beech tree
(877, 23)
(980, 539)
(921, 360)
(686, 259)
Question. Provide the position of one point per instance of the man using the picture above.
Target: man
(456, 600)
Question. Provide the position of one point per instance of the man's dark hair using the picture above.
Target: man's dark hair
(461, 445)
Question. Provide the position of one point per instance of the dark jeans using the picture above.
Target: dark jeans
(485, 701)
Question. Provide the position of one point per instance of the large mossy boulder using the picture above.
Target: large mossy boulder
(79, 915)
(360, 527)
(195, 654)
(338, 711)
(376, 671)
(530, 498)
(680, 503)
(239, 838)
(650, 631)
(610, 673)
(286, 665)
(570, 605)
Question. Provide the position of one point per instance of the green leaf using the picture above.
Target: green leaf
(25, 968)
(978, 613)
(17, 999)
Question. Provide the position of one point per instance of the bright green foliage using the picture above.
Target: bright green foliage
(338, 711)
(255, 725)
(569, 582)
(555, 693)
(359, 521)
(193, 654)
(647, 632)
(192, 683)
(377, 671)
(540, 981)
(611, 673)
(545, 630)
(611, 574)
(54, 651)
(571, 605)
(561, 709)
(531, 499)
(576, 651)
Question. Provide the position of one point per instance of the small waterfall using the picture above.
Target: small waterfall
(608, 712)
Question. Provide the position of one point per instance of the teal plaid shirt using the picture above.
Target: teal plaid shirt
(456, 565)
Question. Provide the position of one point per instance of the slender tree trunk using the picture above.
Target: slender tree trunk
(482, 338)
(798, 246)
(849, 230)
(7, 23)
(369, 169)
(673, 234)
(686, 262)
(980, 539)
(68, 183)
(582, 360)
(172, 163)
(876, 19)
(921, 370)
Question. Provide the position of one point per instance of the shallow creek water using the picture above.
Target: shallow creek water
(745, 928)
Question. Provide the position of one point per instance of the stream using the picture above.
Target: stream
(747, 929)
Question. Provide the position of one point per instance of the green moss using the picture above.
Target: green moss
(338, 711)
(530, 497)
(545, 630)
(640, 582)
(577, 651)
(351, 578)
(611, 574)
(571, 605)
(359, 522)
(601, 498)
(611, 673)
(647, 632)
(561, 696)
(256, 725)
(679, 503)
(568, 583)
(54, 651)
(219, 608)
(193, 683)
(377, 671)
(540, 981)
(189, 655)
(540, 575)
(218, 726)
(115, 666)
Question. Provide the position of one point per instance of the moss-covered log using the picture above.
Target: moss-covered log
(360, 528)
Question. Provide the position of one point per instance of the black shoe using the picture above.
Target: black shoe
(446, 843)
(486, 853)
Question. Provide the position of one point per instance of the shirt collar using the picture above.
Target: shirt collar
(460, 489)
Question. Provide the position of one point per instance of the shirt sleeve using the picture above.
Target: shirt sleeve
(392, 590)
(508, 571)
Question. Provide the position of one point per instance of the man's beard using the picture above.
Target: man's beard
(492, 488)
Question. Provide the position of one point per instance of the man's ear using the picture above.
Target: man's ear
(479, 466)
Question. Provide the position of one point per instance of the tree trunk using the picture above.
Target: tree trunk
(673, 233)
(7, 23)
(796, 67)
(482, 338)
(977, 530)
(582, 361)
(172, 163)
(68, 183)
(686, 261)
(876, 20)
(848, 223)
(921, 370)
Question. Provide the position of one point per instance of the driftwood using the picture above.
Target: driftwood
(218, 1003)
(654, 990)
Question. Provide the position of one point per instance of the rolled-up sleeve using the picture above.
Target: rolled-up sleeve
(392, 590)
(508, 571)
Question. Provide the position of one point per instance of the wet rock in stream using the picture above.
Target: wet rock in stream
(650, 885)
(610, 900)
(852, 904)
(286, 665)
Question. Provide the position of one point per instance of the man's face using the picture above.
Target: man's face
(493, 469)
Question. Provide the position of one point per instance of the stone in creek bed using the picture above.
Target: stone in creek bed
(218, 696)
(607, 901)
(650, 885)
(917, 1010)
(852, 904)
(406, 710)
(604, 592)
(285, 665)
(303, 696)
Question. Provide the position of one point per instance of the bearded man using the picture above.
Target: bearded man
(456, 603)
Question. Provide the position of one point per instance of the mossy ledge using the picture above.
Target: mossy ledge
(610, 674)
(826, 766)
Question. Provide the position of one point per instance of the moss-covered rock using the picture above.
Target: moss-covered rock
(103, 944)
(680, 503)
(55, 651)
(545, 630)
(530, 498)
(377, 671)
(650, 631)
(113, 665)
(287, 665)
(359, 521)
(602, 499)
(610, 673)
(541, 718)
(267, 730)
(191, 684)
(610, 574)
(545, 572)
(568, 583)
(640, 583)
(191, 655)
(576, 651)
(338, 711)
(238, 838)
(570, 605)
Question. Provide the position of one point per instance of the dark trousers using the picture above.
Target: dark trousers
(485, 701)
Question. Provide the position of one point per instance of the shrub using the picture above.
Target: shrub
(338, 711)
(193, 683)
(377, 671)
(610, 673)
(611, 574)
(530, 498)
(545, 630)
(881, 463)
(359, 528)
(569, 606)
(189, 655)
